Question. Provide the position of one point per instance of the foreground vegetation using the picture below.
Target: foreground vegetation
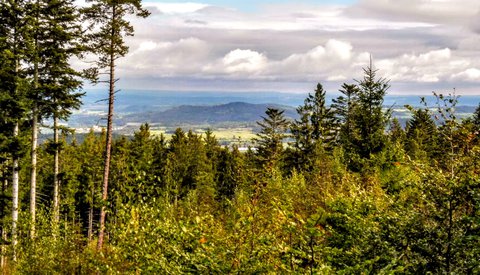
(346, 196)
(353, 192)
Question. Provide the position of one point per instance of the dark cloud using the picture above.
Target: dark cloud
(475, 23)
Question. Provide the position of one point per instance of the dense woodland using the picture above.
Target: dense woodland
(343, 189)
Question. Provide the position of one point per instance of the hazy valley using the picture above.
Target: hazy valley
(232, 116)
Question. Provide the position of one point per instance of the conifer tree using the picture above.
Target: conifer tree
(13, 48)
(231, 173)
(396, 133)
(34, 58)
(476, 118)
(421, 132)
(108, 27)
(57, 38)
(270, 138)
(344, 107)
(369, 119)
(90, 152)
(316, 127)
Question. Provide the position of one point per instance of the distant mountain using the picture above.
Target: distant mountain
(235, 112)
(130, 101)
(218, 109)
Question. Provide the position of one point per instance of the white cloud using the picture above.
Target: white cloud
(147, 46)
(166, 58)
(175, 8)
(247, 61)
(330, 61)
(412, 41)
(432, 66)
(471, 74)
(335, 60)
(437, 11)
(293, 17)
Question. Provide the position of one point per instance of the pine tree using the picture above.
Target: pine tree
(231, 173)
(90, 157)
(315, 130)
(476, 118)
(270, 138)
(108, 28)
(396, 133)
(369, 119)
(421, 132)
(13, 84)
(34, 58)
(57, 36)
(344, 107)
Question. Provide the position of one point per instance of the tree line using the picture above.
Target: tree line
(38, 40)
(342, 189)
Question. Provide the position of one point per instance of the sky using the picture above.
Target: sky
(289, 46)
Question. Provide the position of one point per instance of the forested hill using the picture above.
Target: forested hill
(239, 112)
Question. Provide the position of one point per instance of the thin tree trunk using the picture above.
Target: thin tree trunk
(3, 260)
(56, 184)
(33, 177)
(90, 217)
(4, 232)
(15, 182)
(108, 146)
(90, 223)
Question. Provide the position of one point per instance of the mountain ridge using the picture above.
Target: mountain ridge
(233, 112)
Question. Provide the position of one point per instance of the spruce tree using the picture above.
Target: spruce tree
(108, 27)
(421, 132)
(57, 38)
(270, 139)
(230, 173)
(369, 118)
(476, 118)
(13, 84)
(396, 132)
(90, 157)
(344, 107)
(315, 130)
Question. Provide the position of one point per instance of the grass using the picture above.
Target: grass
(229, 135)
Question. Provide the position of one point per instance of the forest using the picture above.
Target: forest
(345, 188)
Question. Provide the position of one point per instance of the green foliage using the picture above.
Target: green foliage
(270, 138)
(476, 118)
(57, 34)
(108, 27)
(421, 132)
(360, 200)
(315, 131)
(370, 120)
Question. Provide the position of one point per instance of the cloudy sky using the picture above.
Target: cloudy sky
(281, 45)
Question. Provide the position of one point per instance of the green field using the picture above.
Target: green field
(228, 135)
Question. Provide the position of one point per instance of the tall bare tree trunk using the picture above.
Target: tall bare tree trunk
(90, 213)
(108, 146)
(56, 168)
(90, 223)
(33, 176)
(3, 259)
(15, 175)
(15, 182)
